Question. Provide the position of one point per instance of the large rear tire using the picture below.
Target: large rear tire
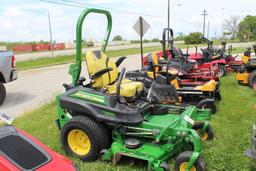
(207, 104)
(84, 138)
(2, 93)
(252, 79)
(218, 96)
(222, 71)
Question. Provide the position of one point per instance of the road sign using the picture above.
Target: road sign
(141, 26)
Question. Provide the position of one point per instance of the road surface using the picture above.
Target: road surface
(47, 54)
(36, 55)
(36, 87)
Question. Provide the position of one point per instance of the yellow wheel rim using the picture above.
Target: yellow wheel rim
(203, 136)
(79, 142)
(184, 165)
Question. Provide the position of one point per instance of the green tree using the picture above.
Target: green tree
(193, 38)
(180, 36)
(247, 28)
(117, 38)
(155, 40)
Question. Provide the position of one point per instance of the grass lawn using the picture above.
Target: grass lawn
(232, 125)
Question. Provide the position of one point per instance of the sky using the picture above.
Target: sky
(27, 20)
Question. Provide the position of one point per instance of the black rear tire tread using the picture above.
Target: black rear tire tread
(210, 132)
(222, 67)
(2, 93)
(206, 104)
(185, 157)
(95, 131)
(251, 76)
(218, 96)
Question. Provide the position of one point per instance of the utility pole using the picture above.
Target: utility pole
(208, 28)
(168, 22)
(204, 14)
(50, 30)
(222, 18)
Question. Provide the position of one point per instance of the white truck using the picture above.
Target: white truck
(8, 72)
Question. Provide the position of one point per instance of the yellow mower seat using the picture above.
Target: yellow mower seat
(97, 61)
(127, 89)
(245, 59)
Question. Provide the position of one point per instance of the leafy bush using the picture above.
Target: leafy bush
(155, 40)
(193, 38)
(117, 38)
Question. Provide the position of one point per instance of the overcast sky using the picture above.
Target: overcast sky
(27, 20)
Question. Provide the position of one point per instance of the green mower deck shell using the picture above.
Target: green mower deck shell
(154, 153)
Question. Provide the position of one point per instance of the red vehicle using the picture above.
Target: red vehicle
(233, 64)
(190, 68)
(211, 56)
(20, 151)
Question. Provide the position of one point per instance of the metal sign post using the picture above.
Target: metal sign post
(141, 27)
(141, 41)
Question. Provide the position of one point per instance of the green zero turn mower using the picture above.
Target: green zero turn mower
(108, 118)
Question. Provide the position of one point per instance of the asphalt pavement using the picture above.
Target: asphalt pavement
(36, 87)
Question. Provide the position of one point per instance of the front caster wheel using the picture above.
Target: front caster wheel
(207, 135)
(181, 162)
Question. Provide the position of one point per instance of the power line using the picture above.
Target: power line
(84, 5)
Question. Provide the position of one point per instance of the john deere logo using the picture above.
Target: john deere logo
(89, 97)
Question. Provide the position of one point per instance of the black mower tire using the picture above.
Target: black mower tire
(223, 71)
(218, 96)
(252, 79)
(207, 104)
(184, 157)
(96, 133)
(2, 93)
(165, 166)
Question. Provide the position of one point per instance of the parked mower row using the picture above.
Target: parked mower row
(135, 114)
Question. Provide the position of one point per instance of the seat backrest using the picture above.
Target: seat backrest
(97, 61)
(152, 58)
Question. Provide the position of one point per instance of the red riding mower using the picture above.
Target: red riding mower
(233, 64)
(20, 151)
(191, 91)
(190, 69)
(211, 56)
